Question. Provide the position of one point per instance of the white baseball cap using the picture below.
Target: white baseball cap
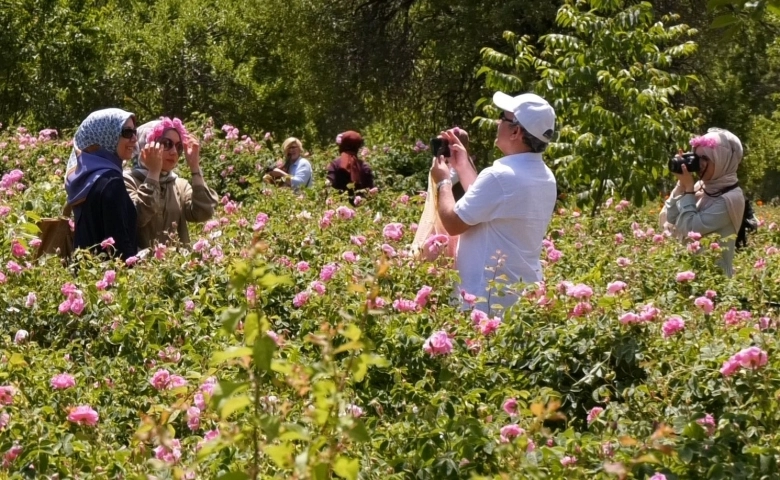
(531, 111)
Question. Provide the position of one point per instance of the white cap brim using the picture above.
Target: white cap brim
(504, 101)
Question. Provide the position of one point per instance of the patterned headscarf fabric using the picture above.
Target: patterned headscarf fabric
(724, 150)
(144, 133)
(102, 128)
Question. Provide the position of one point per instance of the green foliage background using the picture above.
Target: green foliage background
(406, 68)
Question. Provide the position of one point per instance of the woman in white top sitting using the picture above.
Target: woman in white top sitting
(294, 171)
(715, 204)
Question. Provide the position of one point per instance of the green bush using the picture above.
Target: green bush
(342, 385)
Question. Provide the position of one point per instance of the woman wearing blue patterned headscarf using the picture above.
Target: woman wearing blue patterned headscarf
(94, 184)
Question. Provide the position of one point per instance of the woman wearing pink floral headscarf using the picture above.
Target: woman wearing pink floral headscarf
(164, 201)
(713, 205)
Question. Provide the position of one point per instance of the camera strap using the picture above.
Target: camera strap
(722, 192)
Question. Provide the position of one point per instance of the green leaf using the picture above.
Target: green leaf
(251, 327)
(360, 368)
(352, 332)
(280, 454)
(320, 471)
(17, 360)
(346, 468)
(233, 476)
(263, 352)
(234, 404)
(359, 433)
(230, 353)
(270, 425)
(686, 455)
(722, 21)
(31, 228)
(230, 318)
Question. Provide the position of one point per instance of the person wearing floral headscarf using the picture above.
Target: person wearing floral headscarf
(166, 202)
(104, 214)
(715, 204)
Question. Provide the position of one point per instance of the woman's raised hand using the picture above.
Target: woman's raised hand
(192, 153)
(151, 157)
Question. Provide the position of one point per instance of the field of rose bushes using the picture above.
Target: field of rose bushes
(297, 338)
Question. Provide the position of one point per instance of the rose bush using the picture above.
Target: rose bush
(297, 337)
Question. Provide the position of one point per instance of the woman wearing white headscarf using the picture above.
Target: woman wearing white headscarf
(715, 204)
(164, 201)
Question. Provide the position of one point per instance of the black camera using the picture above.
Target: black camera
(689, 159)
(440, 147)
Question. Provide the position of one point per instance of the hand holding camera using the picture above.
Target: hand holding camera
(448, 145)
(682, 165)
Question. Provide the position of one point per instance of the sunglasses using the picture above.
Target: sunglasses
(129, 133)
(502, 118)
(168, 144)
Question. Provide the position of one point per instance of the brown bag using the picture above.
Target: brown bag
(56, 235)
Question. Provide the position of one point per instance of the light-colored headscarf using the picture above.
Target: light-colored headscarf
(724, 150)
(102, 128)
(154, 130)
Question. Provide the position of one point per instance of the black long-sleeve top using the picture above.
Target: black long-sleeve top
(107, 212)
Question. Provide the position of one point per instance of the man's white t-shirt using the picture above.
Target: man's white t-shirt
(509, 207)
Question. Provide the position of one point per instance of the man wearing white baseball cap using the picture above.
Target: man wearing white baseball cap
(503, 217)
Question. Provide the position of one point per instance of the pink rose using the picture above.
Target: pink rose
(422, 295)
(708, 422)
(193, 418)
(616, 287)
(83, 415)
(686, 276)
(438, 343)
(488, 326)
(568, 461)
(554, 255)
(328, 271)
(510, 406)
(301, 298)
(705, 304)
(393, 231)
(345, 213)
(509, 432)
(594, 413)
(579, 291)
(582, 309)
(318, 287)
(7, 393)
(358, 240)
(63, 381)
(403, 305)
(672, 326)
(161, 379)
(170, 453)
(302, 266)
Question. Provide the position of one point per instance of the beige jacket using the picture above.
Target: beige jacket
(161, 206)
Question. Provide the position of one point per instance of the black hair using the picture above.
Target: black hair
(536, 145)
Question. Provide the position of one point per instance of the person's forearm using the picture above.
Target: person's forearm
(466, 174)
(446, 209)
(197, 178)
